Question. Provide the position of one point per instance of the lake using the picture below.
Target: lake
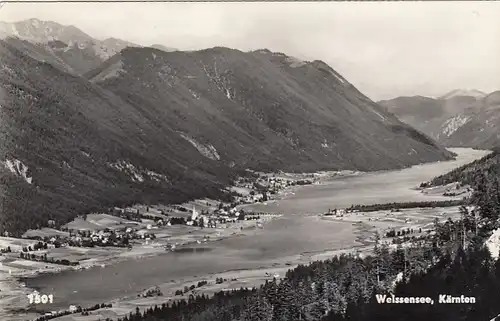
(299, 231)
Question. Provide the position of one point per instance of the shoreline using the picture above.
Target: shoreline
(13, 289)
(244, 277)
(234, 278)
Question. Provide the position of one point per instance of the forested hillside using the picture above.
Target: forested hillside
(472, 173)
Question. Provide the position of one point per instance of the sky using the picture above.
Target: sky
(385, 49)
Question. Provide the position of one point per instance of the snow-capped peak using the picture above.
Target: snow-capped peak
(464, 92)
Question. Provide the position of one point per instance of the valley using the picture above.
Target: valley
(251, 257)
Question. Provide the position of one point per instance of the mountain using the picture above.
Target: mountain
(480, 124)
(254, 105)
(415, 110)
(453, 120)
(37, 31)
(164, 48)
(116, 45)
(464, 93)
(155, 127)
(70, 48)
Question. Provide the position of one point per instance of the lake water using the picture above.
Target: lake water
(298, 231)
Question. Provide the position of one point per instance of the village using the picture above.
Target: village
(95, 238)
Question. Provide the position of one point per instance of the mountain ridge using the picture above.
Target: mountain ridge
(80, 52)
(457, 121)
(463, 92)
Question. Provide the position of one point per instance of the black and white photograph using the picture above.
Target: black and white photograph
(250, 161)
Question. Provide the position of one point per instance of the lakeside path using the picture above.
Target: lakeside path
(282, 244)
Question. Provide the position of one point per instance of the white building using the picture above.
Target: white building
(194, 214)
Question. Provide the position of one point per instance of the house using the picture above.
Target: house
(205, 220)
(72, 308)
(142, 233)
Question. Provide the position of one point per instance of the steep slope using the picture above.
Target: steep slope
(453, 120)
(423, 113)
(69, 147)
(481, 125)
(265, 110)
(73, 59)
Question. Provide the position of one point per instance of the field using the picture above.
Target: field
(384, 221)
(45, 232)
(15, 243)
(96, 222)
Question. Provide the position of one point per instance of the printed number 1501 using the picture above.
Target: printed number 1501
(37, 298)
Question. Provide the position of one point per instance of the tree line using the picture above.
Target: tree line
(404, 205)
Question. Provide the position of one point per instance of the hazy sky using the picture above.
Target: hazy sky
(386, 49)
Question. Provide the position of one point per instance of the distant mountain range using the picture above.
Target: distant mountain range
(66, 47)
(461, 118)
(464, 93)
(152, 126)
